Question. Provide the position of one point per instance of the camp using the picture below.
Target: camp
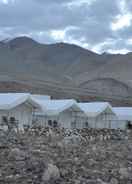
(17, 107)
(99, 115)
(63, 113)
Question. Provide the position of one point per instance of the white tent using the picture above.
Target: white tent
(100, 115)
(124, 115)
(66, 113)
(17, 105)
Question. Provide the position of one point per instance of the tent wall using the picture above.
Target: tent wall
(91, 122)
(42, 120)
(72, 119)
(106, 119)
(22, 113)
(65, 119)
(121, 124)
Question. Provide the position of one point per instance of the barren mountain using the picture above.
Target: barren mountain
(64, 70)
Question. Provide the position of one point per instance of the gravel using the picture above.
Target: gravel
(67, 157)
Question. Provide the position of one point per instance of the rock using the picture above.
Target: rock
(17, 154)
(124, 173)
(99, 181)
(63, 172)
(114, 181)
(94, 148)
(73, 139)
(51, 173)
(64, 157)
(60, 144)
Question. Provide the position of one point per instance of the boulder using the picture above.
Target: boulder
(17, 154)
(124, 172)
(51, 173)
(114, 181)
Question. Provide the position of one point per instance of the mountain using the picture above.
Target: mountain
(65, 70)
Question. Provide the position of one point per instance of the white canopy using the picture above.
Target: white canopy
(123, 113)
(54, 107)
(93, 109)
(11, 100)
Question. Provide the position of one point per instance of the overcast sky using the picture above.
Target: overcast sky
(99, 25)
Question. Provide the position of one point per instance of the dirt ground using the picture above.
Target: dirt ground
(66, 157)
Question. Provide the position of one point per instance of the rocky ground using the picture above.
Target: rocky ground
(47, 156)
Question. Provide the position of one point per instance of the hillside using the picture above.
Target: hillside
(64, 70)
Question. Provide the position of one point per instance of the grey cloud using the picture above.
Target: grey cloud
(93, 32)
(104, 10)
(125, 33)
(34, 15)
(88, 22)
(128, 5)
(118, 44)
(95, 27)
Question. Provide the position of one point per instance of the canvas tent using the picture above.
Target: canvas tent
(100, 115)
(124, 115)
(18, 106)
(64, 113)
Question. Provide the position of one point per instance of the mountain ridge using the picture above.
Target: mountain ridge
(62, 65)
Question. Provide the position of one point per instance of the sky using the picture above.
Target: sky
(97, 25)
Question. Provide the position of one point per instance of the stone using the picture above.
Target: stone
(34, 157)
(51, 173)
(114, 181)
(99, 181)
(17, 154)
(124, 173)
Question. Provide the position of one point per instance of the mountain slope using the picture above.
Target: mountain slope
(65, 69)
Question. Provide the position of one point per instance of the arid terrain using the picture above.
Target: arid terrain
(46, 156)
(65, 71)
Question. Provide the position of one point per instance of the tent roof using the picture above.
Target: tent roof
(93, 109)
(54, 107)
(11, 100)
(123, 113)
(41, 97)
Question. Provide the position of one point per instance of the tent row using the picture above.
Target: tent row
(70, 114)
(41, 110)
